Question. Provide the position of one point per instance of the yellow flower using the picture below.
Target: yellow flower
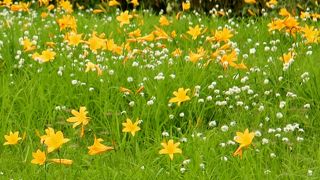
(250, 1)
(47, 55)
(12, 138)
(39, 157)
(114, 3)
(124, 18)
(67, 6)
(287, 58)
(79, 117)
(93, 67)
(43, 2)
(194, 31)
(67, 21)
(223, 35)
(7, 2)
(310, 34)
(170, 148)
(61, 161)
(95, 42)
(181, 96)
(229, 60)
(20, 7)
(185, 6)
(164, 21)
(73, 38)
(276, 25)
(244, 139)
(284, 12)
(55, 140)
(195, 57)
(130, 127)
(272, 3)
(135, 3)
(48, 131)
(97, 147)
(177, 52)
(28, 45)
(136, 33)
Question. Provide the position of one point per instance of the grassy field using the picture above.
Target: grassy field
(240, 75)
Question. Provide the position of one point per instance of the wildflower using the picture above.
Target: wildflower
(276, 25)
(95, 42)
(223, 35)
(43, 2)
(195, 57)
(250, 1)
(164, 21)
(39, 157)
(170, 148)
(46, 56)
(288, 58)
(48, 131)
(67, 21)
(125, 90)
(194, 31)
(310, 34)
(136, 33)
(185, 6)
(134, 2)
(124, 18)
(177, 52)
(61, 161)
(131, 127)
(66, 5)
(97, 147)
(181, 96)
(73, 38)
(55, 141)
(272, 3)
(244, 139)
(12, 138)
(93, 67)
(228, 60)
(284, 12)
(21, 6)
(114, 3)
(28, 45)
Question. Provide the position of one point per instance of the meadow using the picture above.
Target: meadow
(90, 94)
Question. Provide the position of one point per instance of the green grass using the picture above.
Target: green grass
(30, 94)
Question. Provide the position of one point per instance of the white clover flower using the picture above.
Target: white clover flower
(224, 128)
(273, 155)
(279, 115)
(265, 141)
(182, 170)
(212, 123)
(282, 104)
(131, 103)
(165, 134)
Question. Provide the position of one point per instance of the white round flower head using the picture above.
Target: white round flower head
(212, 123)
(224, 128)
(279, 115)
(182, 170)
(165, 134)
(131, 103)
